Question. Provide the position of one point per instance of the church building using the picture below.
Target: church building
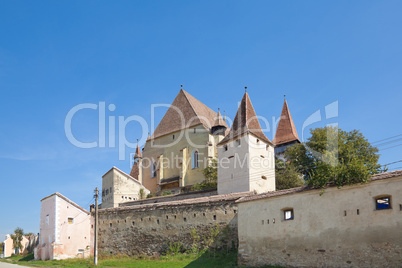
(185, 141)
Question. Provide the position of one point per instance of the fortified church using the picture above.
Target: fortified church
(185, 141)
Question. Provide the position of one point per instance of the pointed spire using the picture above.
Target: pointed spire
(245, 121)
(286, 131)
(218, 120)
(138, 153)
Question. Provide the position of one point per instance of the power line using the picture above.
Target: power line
(386, 139)
(392, 163)
(390, 147)
(388, 142)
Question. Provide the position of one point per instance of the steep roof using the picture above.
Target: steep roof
(286, 131)
(135, 171)
(138, 153)
(245, 121)
(185, 111)
(219, 120)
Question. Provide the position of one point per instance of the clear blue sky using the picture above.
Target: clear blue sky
(58, 54)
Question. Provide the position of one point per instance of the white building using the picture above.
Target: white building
(65, 229)
(246, 160)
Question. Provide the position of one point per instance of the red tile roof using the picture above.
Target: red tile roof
(138, 153)
(245, 121)
(286, 131)
(185, 111)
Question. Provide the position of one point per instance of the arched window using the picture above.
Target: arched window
(153, 169)
(194, 159)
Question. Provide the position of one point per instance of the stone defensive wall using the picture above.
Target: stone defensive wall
(149, 229)
(169, 198)
(354, 226)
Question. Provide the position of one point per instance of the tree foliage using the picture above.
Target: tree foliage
(17, 238)
(334, 156)
(211, 177)
(287, 176)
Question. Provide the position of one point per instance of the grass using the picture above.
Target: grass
(210, 260)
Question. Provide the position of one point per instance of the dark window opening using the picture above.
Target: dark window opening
(214, 217)
(383, 202)
(358, 212)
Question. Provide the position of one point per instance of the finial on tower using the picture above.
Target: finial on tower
(181, 86)
(284, 96)
(245, 89)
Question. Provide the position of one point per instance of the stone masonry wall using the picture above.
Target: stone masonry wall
(149, 228)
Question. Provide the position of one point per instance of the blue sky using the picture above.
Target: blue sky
(55, 55)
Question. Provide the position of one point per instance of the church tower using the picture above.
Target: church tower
(136, 170)
(246, 160)
(286, 134)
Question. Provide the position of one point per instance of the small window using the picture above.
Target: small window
(70, 220)
(238, 142)
(173, 136)
(195, 159)
(288, 214)
(225, 148)
(110, 190)
(195, 130)
(47, 219)
(153, 169)
(258, 141)
(107, 191)
(383, 202)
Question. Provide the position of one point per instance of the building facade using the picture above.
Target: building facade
(65, 229)
(355, 226)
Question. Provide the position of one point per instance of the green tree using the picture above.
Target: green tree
(287, 176)
(211, 177)
(17, 238)
(334, 156)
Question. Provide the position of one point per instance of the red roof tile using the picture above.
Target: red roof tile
(245, 121)
(286, 131)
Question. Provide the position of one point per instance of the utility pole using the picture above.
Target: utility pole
(96, 227)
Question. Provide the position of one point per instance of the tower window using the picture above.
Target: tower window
(225, 148)
(173, 136)
(238, 142)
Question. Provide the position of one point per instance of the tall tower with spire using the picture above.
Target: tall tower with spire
(136, 170)
(286, 134)
(246, 160)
